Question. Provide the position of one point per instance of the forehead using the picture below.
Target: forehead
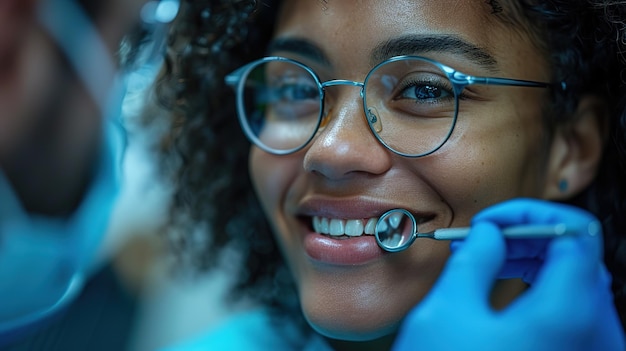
(352, 29)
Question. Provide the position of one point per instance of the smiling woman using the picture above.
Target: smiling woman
(446, 109)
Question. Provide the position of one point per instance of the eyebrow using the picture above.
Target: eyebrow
(418, 44)
(405, 45)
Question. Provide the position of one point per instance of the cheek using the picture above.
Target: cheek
(272, 176)
(265, 178)
(488, 160)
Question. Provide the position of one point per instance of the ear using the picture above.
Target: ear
(576, 150)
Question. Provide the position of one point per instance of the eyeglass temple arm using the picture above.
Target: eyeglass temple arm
(235, 77)
(232, 79)
(463, 79)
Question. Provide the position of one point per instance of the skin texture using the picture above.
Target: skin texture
(494, 154)
(49, 125)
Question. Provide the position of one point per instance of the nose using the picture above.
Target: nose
(346, 146)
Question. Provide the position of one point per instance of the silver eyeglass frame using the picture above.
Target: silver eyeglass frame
(236, 80)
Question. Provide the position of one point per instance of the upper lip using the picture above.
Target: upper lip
(351, 207)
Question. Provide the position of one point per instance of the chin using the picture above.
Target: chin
(363, 330)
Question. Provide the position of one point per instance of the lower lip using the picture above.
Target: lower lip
(350, 251)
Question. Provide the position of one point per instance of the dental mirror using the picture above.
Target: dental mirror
(397, 229)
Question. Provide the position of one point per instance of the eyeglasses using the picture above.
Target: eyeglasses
(411, 103)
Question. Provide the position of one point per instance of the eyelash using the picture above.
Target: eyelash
(415, 82)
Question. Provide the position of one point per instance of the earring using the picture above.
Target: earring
(562, 185)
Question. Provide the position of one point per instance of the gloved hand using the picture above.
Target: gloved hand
(568, 307)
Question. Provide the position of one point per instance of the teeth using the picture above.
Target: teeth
(354, 227)
(321, 225)
(370, 227)
(383, 226)
(349, 227)
(394, 220)
(337, 227)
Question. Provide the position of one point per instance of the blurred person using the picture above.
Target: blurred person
(61, 146)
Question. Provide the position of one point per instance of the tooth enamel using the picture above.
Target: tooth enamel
(354, 227)
(394, 220)
(337, 227)
(316, 224)
(370, 227)
(382, 226)
(394, 241)
(324, 226)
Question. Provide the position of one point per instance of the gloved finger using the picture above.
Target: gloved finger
(475, 265)
(571, 275)
(609, 334)
(579, 309)
(590, 246)
(570, 262)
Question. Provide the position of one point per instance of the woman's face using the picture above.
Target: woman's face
(350, 288)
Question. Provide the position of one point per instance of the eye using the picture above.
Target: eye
(293, 89)
(293, 97)
(424, 91)
(296, 92)
(423, 95)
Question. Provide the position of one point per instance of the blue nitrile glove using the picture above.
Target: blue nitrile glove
(568, 307)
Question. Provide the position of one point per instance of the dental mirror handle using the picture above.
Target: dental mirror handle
(513, 232)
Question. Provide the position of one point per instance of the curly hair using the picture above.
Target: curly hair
(205, 153)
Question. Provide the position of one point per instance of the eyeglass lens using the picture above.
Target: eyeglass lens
(410, 105)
